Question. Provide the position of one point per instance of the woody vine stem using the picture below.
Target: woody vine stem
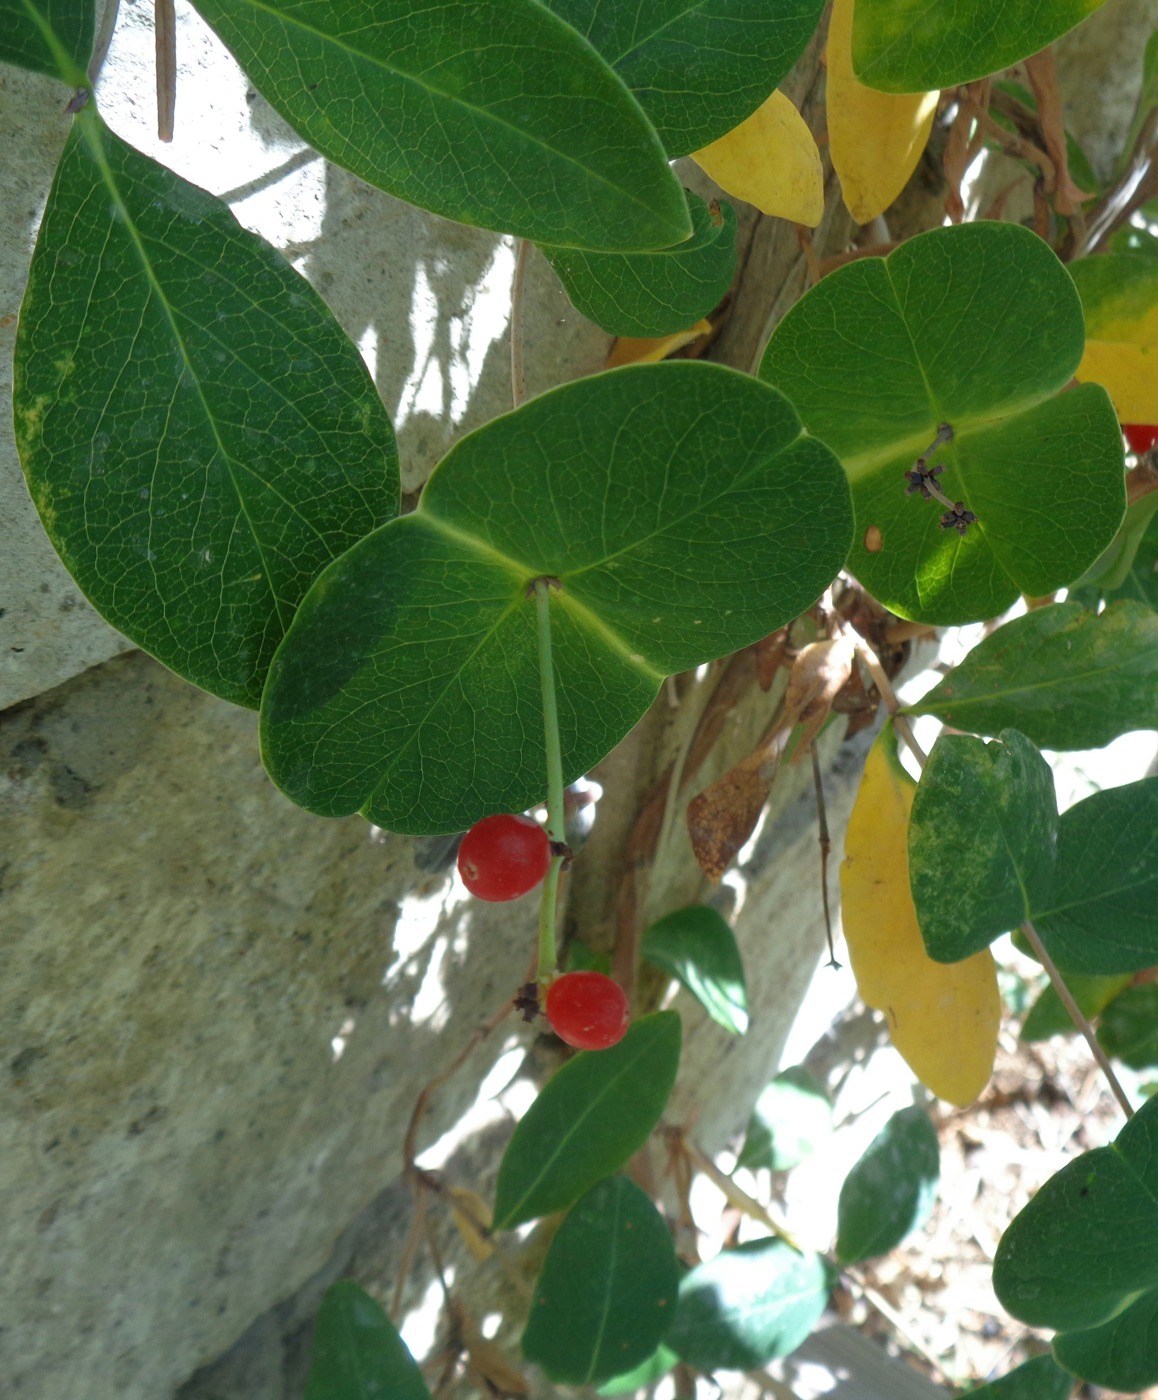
(548, 953)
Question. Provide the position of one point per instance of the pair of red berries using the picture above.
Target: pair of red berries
(503, 857)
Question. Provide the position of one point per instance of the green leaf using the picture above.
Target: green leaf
(1100, 914)
(1121, 1354)
(696, 67)
(791, 1118)
(494, 113)
(1132, 239)
(1147, 100)
(1129, 1027)
(1086, 1246)
(199, 436)
(980, 327)
(915, 45)
(1133, 574)
(684, 514)
(654, 294)
(1048, 1015)
(605, 1297)
(982, 838)
(748, 1305)
(1038, 1379)
(890, 1191)
(697, 946)
(357, 1353)
(657, 1365)
(1067, 677)
(48, 36)
(596, 1110)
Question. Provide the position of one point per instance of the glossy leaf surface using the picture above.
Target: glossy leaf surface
(1121, 1354)
(977, 326)
(654, 294)
(48, 36)
(1119, 294)
(199, 436)
(606, 1295)
(791, 1118)
(909, 45)
(1067, 677)
(1040, 1378)
(769, 160)
(494, 113)
(591, 1116)
(943, 1017)
(748, 1305)
(875, 138)
(696, 67)
(1048, 1015)
(684, 515)
(697, 946)
(982, 841)
(358, 1354)
(1086, 1246)
(1129, 1028)
(890, 1191)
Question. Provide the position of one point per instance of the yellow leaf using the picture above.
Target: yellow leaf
(632, 350)
(770, 160)
(472, 1215)
(1122, 354)
(943, 1017)
(875, 138)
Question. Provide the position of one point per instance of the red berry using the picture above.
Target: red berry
(587, 1010)
(1140, 436)
(503, 857)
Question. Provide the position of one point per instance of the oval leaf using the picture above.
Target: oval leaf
(606, 1295)
(791, 1118)
(748, 1305)
(199, 436)
(943, 1018)
(875, 138)
(1038, 1379)
(658, 1364)
(978, 327)
(48, 36)
(1122, 1354)
(769, 160)
(684, 515)
(1129, 1027)
(1067, 677)
(697, 946)
(696, 67)
(1119, 294)
(596, 1110)
(908, 45)
(890, 1191)
(654, 294)
(494, 113)
(1048, 1015)
(358, 1355)
(982, 841)
(1100, 913)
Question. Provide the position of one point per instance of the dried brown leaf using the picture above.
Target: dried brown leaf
(472, 1216)
(725, 814)
(819, 673)
(770, 656)
(1041, 71)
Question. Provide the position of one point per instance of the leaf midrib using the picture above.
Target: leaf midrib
(922, 707)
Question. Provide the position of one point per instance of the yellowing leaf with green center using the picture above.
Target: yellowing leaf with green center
(943, 1017)
(770, 160)
(1119, 293)
(875, 138)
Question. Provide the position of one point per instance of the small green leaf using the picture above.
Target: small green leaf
(915, 45)
(606, 1295)
(1131, 562)
(494, 113)
(683, 513)
(1048, 1015)
(657, 1365)
(358, 1355)
(1067, 677)
(1121, 1354)
(1086, 1246)
(982, 838)
(890, 1191)
(653, 294)
(791, 1118)
(1100, 914)
(696, 946)
(199, 436)
(748, 1305)
(48, 36)
(696, 67)
(980, 327)
(1039, 1379)
(1129, 1027)
(596, 1110)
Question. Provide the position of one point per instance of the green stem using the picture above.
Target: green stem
(548, 951)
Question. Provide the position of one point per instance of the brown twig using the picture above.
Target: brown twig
(825, 852)
(1041, 70)
(518, 285)
(104, 38)
(165, 40)
(736, 1195)
(895, 1320)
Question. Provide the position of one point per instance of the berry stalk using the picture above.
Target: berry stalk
(548, 955)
